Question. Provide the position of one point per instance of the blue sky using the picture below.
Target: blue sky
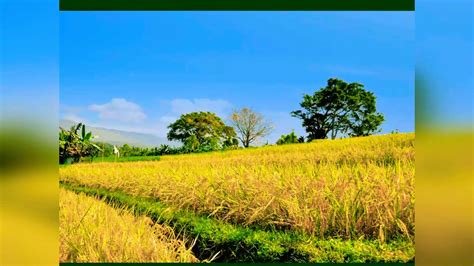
(139, 71)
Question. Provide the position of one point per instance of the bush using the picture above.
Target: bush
(290, 139)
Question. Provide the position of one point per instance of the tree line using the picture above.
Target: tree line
(339, 109)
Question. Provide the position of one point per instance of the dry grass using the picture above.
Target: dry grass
(348, 188)
(92, 231)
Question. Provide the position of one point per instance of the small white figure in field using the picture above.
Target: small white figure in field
(116, 152)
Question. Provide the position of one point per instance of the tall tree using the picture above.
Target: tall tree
(198, 129)
(250, 126)
(339, 108)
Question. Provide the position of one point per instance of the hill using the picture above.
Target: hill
(120, 137)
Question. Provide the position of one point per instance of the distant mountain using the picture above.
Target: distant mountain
(120, 137)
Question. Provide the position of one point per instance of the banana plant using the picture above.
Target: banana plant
(86, 137)
(75, 145)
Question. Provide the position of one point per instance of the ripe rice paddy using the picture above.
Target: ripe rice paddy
(92, 231)
(357, 189)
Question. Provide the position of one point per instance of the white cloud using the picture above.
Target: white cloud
(119, 109)
(183, 106)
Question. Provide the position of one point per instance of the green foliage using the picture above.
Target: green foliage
(125, 150)
(131, 151)
(106, 149)
(289, 139)
(122, 159)
(339, 108)
(201, 131)
(164, 149)
(230, 144)
(75, 143)
(192, 143)
(236, 243)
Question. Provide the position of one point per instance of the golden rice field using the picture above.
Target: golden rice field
(347, 188)
(92, 231)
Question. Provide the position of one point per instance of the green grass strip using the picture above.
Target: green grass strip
(112, 159)
(236, 243)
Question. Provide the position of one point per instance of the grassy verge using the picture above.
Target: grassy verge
(234, 243)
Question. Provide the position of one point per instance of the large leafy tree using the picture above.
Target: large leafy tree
(201, 130)
(339, 108)
(250, 126)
